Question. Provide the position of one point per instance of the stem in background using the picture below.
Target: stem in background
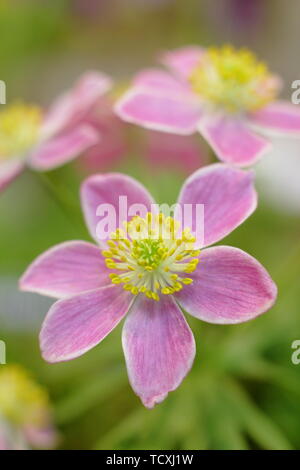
(62, 198)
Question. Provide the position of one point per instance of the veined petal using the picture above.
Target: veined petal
(279, 118)
(63, 148)
(74, 104)
(109, 196)
(228, 196)
(182, 61)
(77, 324)
(229, 286)
(232, 140)
(159, 111)
(9, 170)
(65, 270)
(159, 348)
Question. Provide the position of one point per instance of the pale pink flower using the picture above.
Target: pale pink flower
(158, 150)
(25, 412)
(44, 142)
(225, 94)
(146, 277)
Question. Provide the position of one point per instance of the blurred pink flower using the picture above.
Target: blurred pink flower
(46, 142)
(112, 147)
(225, 94)
(183, 154)
(25, 414)
(144, 275)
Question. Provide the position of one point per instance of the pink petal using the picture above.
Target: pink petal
(155, 110)
(280, 118)
(41, 438)
(232, 141)
(168, 151)
(5, 443)
(229, 286)
(77, 324)
(155, 79)
(228, 196)
(115, 193)
(182, 61)
(74, 104)
(112, 147)
(159, 348)
(9, 170)
(63, 148)
(65, 270)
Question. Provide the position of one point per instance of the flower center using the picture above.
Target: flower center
(19, 129)
(234, 79)
(21, 400)
(151, 255)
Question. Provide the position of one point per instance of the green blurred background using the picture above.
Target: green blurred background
(243, 391)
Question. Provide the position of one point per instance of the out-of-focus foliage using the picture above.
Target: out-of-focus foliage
(243, 391)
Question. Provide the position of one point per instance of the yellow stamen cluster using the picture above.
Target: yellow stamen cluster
(151, 255)
(21, 399)
(19, 129)
(234, 79)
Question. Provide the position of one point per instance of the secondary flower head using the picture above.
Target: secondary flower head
(24, 411)
(43, 141)
(224, 93)
(150, 266)
(159, 151)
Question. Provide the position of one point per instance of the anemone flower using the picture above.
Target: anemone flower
(44, 142)
(25, 414)
(225, 94)
(159, 151)
(150, 267)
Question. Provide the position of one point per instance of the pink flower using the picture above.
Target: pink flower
(225, 94)
(113, 146)
(46, 142)
(151, 277)
(182, 153)
(25, 412)
(158, 150)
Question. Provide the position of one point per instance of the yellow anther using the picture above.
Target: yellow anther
(127, 287)
(151, 261)
(234, 79)
(19, 129)
(106, 253)
(165, 291)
